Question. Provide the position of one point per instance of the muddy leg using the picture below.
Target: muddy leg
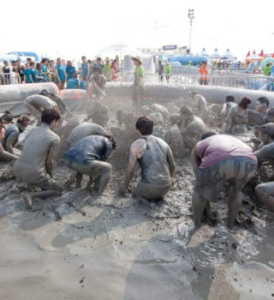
(29, 197)
(102, 182)
(265, 194)
(79, 178)
(89, 182)
(234, 204)
(198, 208)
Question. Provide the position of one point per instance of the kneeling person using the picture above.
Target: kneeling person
(156, 161)
(35, 164)
(88, 157)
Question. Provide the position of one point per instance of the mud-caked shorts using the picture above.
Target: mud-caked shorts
(236, 170)
(95, 168)
(150, 192)
(35, 178)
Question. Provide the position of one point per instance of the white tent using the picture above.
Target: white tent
(215, 55)
(228, 55)
(204, 53)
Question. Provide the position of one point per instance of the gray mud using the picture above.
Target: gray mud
(77, 246)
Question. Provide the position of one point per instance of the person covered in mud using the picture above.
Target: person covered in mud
(237, 116)
(265, 191)
(63, 108)
(98, 83)
(262, 104)
(36, 161)
(83, 130)
(192, 127)
(4, 155)
(229, 102)
(174, 137)
(88, 157)
(6, 118)
(36, 104)
(158, 125)
(13, 131)
(201, 104)
(270, 115)
(156, 162)
(99, 113)
(218, 159)
(162, 110)
(127, 119)
(138, 84)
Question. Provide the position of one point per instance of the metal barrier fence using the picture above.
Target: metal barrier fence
(243, 81)
(7, 78)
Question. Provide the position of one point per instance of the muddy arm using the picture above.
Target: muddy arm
(6, 156)
(11, 141)
(171, 162)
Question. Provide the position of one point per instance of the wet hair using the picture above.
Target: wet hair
(270, 112)
(111, 139)
(44, 60)
(50, 115)
(268, 129)
(44, 92)
(186, 110)
(144, 125)
(174, 118)
(244, 102)
(207, 135)
(264, 100)
(23, 119)
(97, 69)
(229, 98)
(7, 117)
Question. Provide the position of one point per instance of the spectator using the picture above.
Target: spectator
(204, 71)
(161, 71)
(60, 75)
(20, 70)
(168, 71)
(115, 70)
(6, 70)
(53, 71)
(29, 60)
(73, 83)
(84, 69)
(70, 70)
(38, 77)
(28, 74)
(44, 69)
(107, 70)
(267, 69)
(14, 77)
(32, 68)
(98, 63)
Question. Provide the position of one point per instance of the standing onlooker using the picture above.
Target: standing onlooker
(14, 76)
(29, 60)
(38, 77)
(64, 65)
(267, 69)
(138, 84)
(161, 71)
(28, 74)
(70, 70)
(44, 69)
(53, 71)
(32, 68)
(115, 70)
(6, 70)
(168, 71)
(204, 71)
(98, 63)
(21, 70)
(107, 70)
(60, 75)
(84, 68)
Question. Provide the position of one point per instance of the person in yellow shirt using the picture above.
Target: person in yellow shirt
(168, 71)
(138, 84)
(107, 70)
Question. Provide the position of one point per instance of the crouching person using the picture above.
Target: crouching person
(156, 161)
(88, 157)
(218, 159)
(35, 163)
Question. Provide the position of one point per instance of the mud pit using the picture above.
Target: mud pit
(78, 246)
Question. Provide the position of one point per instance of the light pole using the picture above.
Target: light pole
(191, 17)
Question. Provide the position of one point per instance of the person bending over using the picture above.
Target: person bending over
(88, 157)
(4, 155)
(265, 191)
(36, 161)
(63, 108)
(13, 132)
(156, 162)
(229, 102)
(218, 159)
(173, 136)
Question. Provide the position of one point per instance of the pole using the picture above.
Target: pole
(190, 36)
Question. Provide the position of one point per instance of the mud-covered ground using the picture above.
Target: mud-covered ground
(77, 246)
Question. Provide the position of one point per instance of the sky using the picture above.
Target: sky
(71, 29)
